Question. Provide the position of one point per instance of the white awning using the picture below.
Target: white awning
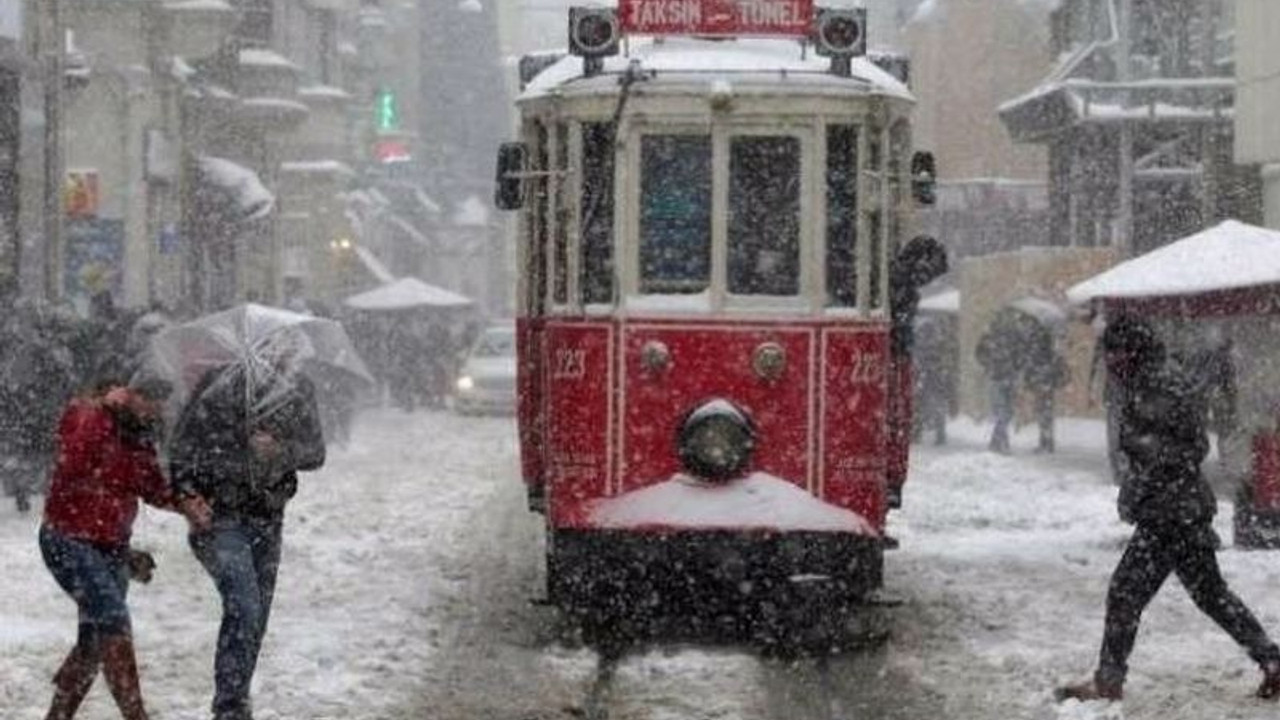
(947, 302)
(375, 266)
(1228, 256)
(407, 293)
(241, 183)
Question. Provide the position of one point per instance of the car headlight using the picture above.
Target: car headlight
(465, 383)
(715, 440)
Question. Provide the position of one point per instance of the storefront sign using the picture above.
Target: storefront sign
(82, 195)
(773, 18)
(94, 258)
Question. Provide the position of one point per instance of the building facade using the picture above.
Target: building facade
(966, 57)
(1137, 120)
(1257, 133)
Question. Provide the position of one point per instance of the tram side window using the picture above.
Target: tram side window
(597, 212)
(560, 266)
(538, 222)
(764, 215)
(675, 213)
(842, 218)
(875, 223)
(875, 218)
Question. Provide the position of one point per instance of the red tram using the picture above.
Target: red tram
(708, 395)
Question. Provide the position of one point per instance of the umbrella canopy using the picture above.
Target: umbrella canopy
(251, 337)
(407, 293)
(1045, 312)
(1228, 256)
(946, 302)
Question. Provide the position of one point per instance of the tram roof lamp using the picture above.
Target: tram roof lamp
(594, 34)
(840, 34)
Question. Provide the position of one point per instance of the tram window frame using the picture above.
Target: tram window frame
(598, 146)
(562, 218)
(748, 235)
(648, 285)
(538, 210)
(875, 199)
(841, 249)
(899, 180)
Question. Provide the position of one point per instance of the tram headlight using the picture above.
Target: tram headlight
(715, 440)
(466, 384)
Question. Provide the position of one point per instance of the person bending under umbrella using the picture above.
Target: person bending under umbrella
(249, 428)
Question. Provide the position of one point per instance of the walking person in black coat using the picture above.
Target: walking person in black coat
(1166, 498)
(248, 430)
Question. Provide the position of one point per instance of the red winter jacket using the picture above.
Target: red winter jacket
(100, 474)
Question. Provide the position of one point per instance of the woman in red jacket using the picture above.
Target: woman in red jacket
(106, 462)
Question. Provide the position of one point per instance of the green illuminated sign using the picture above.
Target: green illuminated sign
(388, 110)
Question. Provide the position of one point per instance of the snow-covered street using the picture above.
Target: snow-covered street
(409, 564)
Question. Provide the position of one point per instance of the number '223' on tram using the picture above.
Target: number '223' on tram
(710, 401)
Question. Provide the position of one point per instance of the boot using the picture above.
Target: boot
(72, 682)
(1270, 687)
(120, 667)
(1089, 690)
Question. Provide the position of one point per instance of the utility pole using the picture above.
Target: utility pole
(1124, 237)
(54, 173)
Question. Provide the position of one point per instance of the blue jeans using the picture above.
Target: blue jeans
(242, 556)
(96, 578)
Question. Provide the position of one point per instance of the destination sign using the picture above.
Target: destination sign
(775, 18)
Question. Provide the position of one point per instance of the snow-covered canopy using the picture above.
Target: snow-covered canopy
(407, 293)
(947, 301)
(374, 265)
(1229, 256)
(1043, 310)
(242, 183)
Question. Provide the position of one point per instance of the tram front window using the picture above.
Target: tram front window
(675, 213)
(764, 215)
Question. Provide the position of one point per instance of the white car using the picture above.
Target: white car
(487, 383)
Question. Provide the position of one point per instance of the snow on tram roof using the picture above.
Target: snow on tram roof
(752, 58)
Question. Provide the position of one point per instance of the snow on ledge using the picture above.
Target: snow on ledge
(257, 57)
(757, 502)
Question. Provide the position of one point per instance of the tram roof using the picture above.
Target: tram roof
(755, 61)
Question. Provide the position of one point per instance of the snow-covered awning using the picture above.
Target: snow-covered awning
(945, 302)
(405, 294)
(375, 266)
(1229, 256)
(241, 183)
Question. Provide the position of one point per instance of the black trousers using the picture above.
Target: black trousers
(1153, 554)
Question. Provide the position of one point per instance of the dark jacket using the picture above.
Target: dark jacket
(1162, 432)
(210, 453)
(1000, 352)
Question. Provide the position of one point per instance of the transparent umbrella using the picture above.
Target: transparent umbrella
(1050, 315)
(264, 345)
